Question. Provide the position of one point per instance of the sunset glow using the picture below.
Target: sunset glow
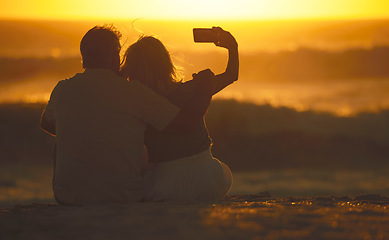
(200, 9)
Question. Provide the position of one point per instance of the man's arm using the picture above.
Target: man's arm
(48, 116)
(193, 112)
(46, 125)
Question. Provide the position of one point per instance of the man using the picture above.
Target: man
(99, 119)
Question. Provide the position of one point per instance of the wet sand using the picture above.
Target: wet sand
(258, 216)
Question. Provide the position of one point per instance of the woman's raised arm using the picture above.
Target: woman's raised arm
(230, 75)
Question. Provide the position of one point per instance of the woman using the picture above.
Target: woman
(184, 166)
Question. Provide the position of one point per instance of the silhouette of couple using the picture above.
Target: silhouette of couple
(134, 131)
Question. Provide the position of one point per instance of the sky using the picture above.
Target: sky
(198, 9)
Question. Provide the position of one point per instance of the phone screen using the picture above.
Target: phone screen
(203, 35)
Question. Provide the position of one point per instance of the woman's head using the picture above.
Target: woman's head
(148, 61)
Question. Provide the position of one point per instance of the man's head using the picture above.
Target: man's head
(100, 48)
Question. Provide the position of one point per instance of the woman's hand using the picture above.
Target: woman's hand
(203, 75)
(224, 39)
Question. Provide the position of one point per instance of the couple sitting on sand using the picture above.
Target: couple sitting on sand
(133, 131)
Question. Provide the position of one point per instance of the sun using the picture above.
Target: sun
(216, 9)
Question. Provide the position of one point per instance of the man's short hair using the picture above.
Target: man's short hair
(99, 46)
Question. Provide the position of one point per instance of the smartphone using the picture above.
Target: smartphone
(203, 35)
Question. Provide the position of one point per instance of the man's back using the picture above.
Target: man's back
(100, 120)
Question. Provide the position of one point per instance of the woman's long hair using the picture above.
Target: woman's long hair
(149, 62)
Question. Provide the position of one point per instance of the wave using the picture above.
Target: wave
(299, 65)
(245, 136)
(21, 69)
(248, 136)
(304, 64)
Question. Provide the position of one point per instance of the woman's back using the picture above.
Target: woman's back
(165, 146)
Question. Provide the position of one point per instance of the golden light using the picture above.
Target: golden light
(189, 9)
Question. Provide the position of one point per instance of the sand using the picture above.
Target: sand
(258, 216)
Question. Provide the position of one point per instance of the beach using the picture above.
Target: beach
(259, 216)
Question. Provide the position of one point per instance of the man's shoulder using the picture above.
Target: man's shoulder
(62, 83)
(70, 79)
(74, 77)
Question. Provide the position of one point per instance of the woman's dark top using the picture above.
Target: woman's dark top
(166, 146)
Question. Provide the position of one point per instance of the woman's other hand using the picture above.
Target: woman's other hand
(204, 78)
(224, 38)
